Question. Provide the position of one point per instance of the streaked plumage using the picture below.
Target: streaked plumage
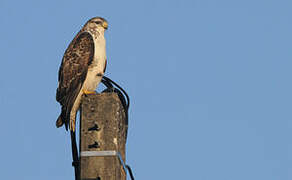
(82, 68)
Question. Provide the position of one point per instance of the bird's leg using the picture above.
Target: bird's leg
(72, 126)
(86, 92)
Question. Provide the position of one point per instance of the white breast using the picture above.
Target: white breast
(92, 80)
(97, 67)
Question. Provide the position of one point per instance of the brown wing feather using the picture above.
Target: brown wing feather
(73, 71)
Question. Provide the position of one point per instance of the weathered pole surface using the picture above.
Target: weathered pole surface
(102, 128)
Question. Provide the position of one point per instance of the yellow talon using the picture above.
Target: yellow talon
(88, 92)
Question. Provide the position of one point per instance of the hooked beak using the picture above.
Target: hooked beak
(105, 25)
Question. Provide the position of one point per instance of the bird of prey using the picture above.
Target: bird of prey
(82, 68)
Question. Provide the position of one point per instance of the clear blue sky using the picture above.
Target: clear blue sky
(210, 83)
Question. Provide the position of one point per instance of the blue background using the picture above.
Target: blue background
(210, 83)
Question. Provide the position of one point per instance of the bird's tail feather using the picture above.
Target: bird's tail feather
(62, 119)
(59, 121)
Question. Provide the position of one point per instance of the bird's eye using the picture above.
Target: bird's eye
(97, 22)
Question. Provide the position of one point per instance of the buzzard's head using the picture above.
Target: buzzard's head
(98, 23)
